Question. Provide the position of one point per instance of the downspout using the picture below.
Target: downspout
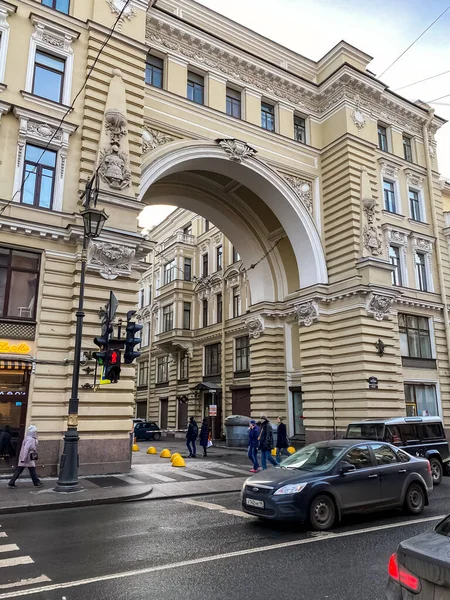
(223, 378)
(436, 230)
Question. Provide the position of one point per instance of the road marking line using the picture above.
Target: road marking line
(23, 582)
(235, 469)
(190, 475)
(213, 472)
(129, 479)
(212, 506)
(19, 560)
(9, 548)
(206, 559)
(3, 534)
(162, 478)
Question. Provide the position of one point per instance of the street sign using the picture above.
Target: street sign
(213, 410)
(112, 305)
(373, 383)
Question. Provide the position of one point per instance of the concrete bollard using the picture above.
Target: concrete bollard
(165, 453)
(174, 456)
(152, 450)
(178, 461)
(291, 450)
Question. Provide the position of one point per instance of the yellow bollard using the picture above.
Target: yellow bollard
(135, 447)
(172, 458)
(152, 450)
(165, 453)
(178, 461)
(274, 452)
(291, 450)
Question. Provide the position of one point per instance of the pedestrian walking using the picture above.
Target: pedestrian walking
(253, 435)
(191, 436)
(266, 443)
(6, 448)
(282, 440)
(27, 458)
(204, 436)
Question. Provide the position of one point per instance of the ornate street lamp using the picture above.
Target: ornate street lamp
(93, 222)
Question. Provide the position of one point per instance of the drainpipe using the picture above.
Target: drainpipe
(436, 231)
(223, 378)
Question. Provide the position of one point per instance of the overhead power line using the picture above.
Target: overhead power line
(412, 44)
(89, 73)
(436, 99)
(420, 81)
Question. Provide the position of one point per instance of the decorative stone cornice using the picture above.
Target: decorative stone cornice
(379, 306)
(112, 260)
(237, 150)
(422, 243)
(307, 312)
(151, 139)
(116, 7)
(303, 190)
(389, 168)
(255, 326)
(414, 178)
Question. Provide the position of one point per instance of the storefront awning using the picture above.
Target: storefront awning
(207, 386)
(15, 364)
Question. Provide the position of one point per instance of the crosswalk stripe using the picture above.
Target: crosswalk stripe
(190, 475)
(3, 534)
(9, 548)
(19, 560)
(215, 473)
(129, 479)
(161, 477)
(23, 582)
(234, 469)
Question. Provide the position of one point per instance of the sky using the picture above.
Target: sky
(381, 28)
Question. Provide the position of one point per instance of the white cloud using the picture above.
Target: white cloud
(153, 215)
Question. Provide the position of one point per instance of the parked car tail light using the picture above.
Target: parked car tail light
(429, 468)
(403, 576)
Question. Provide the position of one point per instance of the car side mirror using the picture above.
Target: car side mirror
(347, 468)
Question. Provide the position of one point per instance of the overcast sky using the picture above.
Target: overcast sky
(381, 28)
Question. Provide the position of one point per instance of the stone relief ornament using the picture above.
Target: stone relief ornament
(113, 168)
(43, 130)
(307, 313)
(237, 150)
(358, 119)
(371, 240)
(255, 326)
(151, 139)
(116, 7)
(111, 260)
(116, 125)
(380, 306)
(303, 190)
(389, 169)
(422, 244)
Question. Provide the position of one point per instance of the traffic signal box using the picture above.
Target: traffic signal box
(131, 341)
(111, 368)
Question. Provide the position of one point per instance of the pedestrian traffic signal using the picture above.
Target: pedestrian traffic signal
(131, 340)
(111, 367)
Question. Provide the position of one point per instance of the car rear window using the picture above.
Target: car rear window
(430, 431)
(365, 431)
(443, 528)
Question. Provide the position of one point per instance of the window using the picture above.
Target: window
(48, 78)
(382, 138)
(421, 272)
(407, 148)
(168, 318)
(184, 365)
(205, 313)
(421, 400)
(206, 224)
(154, 71)
(187, 269)
(18, 283)
(38, 178)
(141, 298)
(186, 315)
(219, 308)
(162, 371)
(205, 265)
(195, 88)
(143, 374)
(384, 455)
(267, 116)
(233, 103)
(236, 302)
(414, 205)
(297, 409)
(389, 196)
(394, 259)
(213, 359)
(359, 457)
(430, 431)
(59, 5)
(169, 272)
(415, 339)
(219, 253)
(299, 129)
(188, 229)
(242, 353)
(236, 256)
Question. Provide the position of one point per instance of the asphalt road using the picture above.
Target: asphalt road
(198, 548)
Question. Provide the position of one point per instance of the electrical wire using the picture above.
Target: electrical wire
(436, 99)
(102, 47)
(412, 44)
(420, 81)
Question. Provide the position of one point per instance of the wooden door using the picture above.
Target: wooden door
(240, 402)
(164, 413)
(182, 414)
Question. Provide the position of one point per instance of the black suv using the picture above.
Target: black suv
(419, 436)
(147, 431)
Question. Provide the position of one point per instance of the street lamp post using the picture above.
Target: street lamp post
(93, 221)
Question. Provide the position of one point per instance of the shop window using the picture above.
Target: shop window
(19, 273)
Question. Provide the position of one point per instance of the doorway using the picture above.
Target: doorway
(215, 423)
(13, 409)
(164, 413)
(182, 420)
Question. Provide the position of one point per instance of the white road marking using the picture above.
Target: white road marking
(23, 582)
(189, 475)
(206, 559)
(8, 548)
(218, 507)
(130, 479)
(215, 473)
(162, 477)
(235, 469)
(3, 534)
(19, 560)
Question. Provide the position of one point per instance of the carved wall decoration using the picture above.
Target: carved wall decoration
(151, 139)
(112, 260)
(380, 306)
(303, 190)
(422, 244)
(307, 313)
(358, 119)
(371, 240)
(255, 326)
(43, 130)
(113, 167)
(237, 150)
(117, 7)
(389, 169)
(413, 178)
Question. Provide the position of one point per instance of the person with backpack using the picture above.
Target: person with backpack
(253, 435)
(266, 443)
(204, 436)
(191, 436)
(27, 458)
(282, 440)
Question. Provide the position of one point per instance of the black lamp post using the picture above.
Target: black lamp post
(93, 221)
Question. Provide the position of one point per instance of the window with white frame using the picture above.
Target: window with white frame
(299, 129)
(416, 200)
(421, 272)
(59, 5)
(168, 318)
(184, 365)
(395, 260)
(242, 353)
(389, 195)
(423, 249)
(415, 336)
(236, 302)
(48, 76)
(5, 10)
(162, 369)
(415, 209)
(143, 374)
(169, 272)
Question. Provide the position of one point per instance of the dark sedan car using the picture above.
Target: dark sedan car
(420, 568)
(323, 481)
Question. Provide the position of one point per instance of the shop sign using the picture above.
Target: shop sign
(19, 348)
(213, 410)
(9, 393)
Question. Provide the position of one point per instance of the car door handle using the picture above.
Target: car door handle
(402, 471)
(374, 475)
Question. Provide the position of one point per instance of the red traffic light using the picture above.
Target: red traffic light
(114, 357)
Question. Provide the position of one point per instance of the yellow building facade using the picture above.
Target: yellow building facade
(317, 173)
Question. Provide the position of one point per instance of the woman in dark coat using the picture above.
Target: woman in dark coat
(282, 440)
(6, 447)
(204, 436)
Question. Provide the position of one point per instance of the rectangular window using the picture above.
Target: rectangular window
(415, 338)
(407, 148)
(188, 229)
(414, 205)
(213, 359)
(219, 256)
(59, 5)
(19, 273)
(48, 78)
(236, 302)
(184, 365)
(187, 269)
(186, 315)
(219, 308)
(421, 272)
(205, 265)
(162, 371)
(382, 138)
(206, 223)
(169, 272)
(389, 196)
(168, 318)
(205, 313)
(234, 103)
(195, 88)
(236, 256)
(242, 353)
(299, 129)
(421, 400)
(267, 116)
(143, 374)
(297, 408)
(38, 177)
(394, 259)
(154, 71)
(141, 298)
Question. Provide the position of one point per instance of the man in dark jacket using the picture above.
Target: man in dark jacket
(6, 447)
(191, 436)
(282, 440)
(253, 435)
(204, 436)
(266, 443)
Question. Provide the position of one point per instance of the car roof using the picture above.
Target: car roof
(397, 421)
(342, 443)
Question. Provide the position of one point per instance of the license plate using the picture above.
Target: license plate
(257, 503)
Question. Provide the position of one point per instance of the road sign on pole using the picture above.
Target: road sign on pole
(213, 410)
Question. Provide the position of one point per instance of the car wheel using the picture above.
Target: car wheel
(322, 513)
(436, 470)
(157, 436)
(414, 499)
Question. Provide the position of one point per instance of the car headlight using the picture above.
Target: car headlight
(290, 489)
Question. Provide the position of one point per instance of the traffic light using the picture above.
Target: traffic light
(131, 340)
(102, 343)
(111, 367)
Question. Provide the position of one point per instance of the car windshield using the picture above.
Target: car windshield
(365, 431)
(314, 458)
(443, 528)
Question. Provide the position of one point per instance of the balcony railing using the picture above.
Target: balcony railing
(177, 238)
